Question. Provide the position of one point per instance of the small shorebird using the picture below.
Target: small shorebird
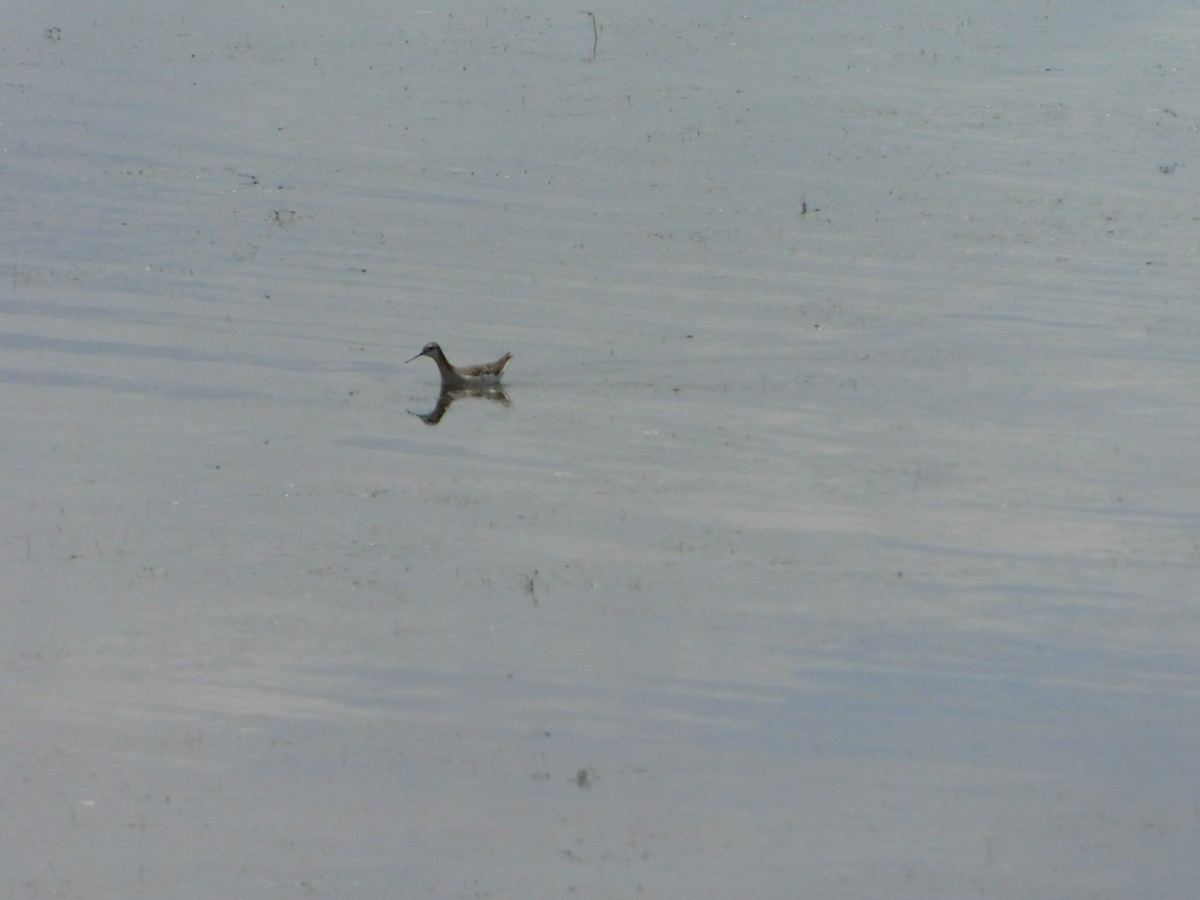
(463, 376)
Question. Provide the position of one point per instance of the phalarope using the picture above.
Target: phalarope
(463, 376)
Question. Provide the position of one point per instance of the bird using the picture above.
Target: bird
(463, 376)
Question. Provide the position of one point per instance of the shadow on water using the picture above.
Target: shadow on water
(448, 395)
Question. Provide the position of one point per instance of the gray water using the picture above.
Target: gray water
(839, 534)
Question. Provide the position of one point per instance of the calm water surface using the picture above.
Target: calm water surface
(838, 534)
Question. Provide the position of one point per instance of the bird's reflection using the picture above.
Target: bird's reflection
(448, 396)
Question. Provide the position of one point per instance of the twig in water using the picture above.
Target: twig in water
(595, 34)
